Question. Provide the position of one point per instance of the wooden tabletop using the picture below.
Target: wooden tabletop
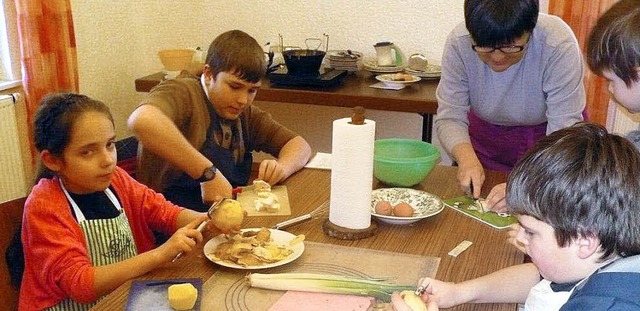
(434, 236)
(419, 97)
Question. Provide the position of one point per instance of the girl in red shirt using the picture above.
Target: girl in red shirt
(87, 225)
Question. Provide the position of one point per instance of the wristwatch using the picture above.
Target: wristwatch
(208, 174)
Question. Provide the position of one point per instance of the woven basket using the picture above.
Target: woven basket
(176, 59)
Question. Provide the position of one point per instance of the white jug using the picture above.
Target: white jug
(388, 54)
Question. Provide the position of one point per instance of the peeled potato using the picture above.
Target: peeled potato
(182, 296)
(383, 208)
(228, 216)
(413, 301)
(403, 210)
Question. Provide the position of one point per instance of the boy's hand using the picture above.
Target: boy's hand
(513, 232)
(217, 187)
(497, 198)
(271, 171)
(183, 240)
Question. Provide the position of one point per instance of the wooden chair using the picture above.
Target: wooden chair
(10, 221)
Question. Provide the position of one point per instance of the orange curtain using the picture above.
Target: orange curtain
(48, 49)
(581, 17)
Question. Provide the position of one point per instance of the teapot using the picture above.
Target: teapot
(388, 54)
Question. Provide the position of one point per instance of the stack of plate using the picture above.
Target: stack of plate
(344, 60)
(372, 65)
(432, 72)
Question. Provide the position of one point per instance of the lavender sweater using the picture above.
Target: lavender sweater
(545, 86)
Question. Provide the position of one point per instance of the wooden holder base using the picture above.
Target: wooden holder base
(343, 233)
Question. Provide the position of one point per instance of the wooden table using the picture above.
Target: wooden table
(434, 236)
(419, 97)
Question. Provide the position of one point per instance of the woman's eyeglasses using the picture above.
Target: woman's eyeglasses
(508, 49)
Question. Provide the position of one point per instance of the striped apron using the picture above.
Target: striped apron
(108, 241)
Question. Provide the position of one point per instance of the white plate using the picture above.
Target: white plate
(344, 54)
(434, 71)
(388, 79)
(278, 236)
(372, 65)
(424, 204)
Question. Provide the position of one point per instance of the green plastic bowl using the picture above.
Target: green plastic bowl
(403, 162)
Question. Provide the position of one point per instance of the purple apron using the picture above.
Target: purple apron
(499, 147)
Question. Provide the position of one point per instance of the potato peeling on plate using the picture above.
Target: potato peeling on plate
(253, 248)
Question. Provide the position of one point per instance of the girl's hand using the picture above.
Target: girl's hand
(183, 240)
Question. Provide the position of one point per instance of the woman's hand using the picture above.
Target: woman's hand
(471, 178)
(470, 171)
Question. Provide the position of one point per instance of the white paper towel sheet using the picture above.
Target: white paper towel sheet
(351, 173)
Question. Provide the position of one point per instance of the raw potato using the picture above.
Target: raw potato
(384, 208)
(403, 210)
(413, 301)
(228, 216)
(182, 296)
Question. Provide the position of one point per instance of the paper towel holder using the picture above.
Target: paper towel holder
(357, 118)
(333, 230)
(343, 233)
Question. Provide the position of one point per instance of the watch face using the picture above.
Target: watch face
(209, 173)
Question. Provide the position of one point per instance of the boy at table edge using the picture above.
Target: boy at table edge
(197, 135)
(576, 195)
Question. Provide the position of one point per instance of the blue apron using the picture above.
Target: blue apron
(186, 191)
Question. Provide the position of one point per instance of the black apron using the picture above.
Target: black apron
(186, 191)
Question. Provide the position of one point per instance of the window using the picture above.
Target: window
(5, 59)
(10, 74)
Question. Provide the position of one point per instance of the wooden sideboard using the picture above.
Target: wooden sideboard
(354, 91)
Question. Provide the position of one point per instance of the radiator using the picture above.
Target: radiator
(12, 177)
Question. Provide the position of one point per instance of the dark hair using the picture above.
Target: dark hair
(583, 182)
(614, 42)
(499, 22)
(53, 122)
(237, 52)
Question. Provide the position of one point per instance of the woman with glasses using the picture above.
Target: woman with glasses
(510, 76)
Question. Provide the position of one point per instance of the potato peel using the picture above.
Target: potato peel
(253, 248)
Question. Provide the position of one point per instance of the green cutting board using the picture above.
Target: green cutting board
(490, 218)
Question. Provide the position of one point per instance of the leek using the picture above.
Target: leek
(326, 283)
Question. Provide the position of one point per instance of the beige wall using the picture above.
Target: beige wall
(118, 41)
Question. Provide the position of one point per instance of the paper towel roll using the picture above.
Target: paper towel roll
(351, 173)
